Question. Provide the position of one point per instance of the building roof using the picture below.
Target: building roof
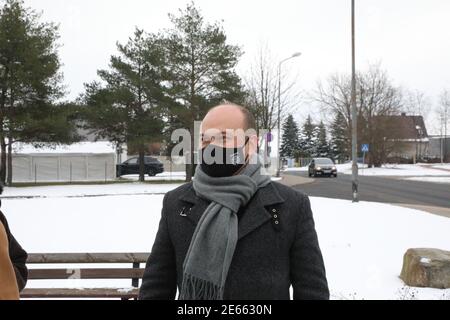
(405, 127)
(99, 147)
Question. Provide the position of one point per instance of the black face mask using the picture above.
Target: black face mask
(229, 160)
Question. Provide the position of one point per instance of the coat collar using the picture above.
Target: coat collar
(256, 213)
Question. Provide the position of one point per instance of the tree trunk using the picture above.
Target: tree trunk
(2, 138)
(190, 166)
(3, 160)
(141, 163)
(9, 179)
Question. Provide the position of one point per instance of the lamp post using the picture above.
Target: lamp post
(295, 55)
(354, 120)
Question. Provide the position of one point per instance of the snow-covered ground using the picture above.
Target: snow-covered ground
(440, 166)
(165, 176)
(362, 243)
(391, 169)
(445, 180)
(132, 188)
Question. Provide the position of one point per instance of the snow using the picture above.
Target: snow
(440, 166)
(294, 169)
(394, 170)
(389, 170)
(363, 246)
(80, 147)
(164, 176)
(132, 188)
(430, 179)
(425, 260)
(362, 243)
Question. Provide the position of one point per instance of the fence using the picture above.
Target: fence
(63, 167)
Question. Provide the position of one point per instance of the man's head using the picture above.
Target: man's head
(229, 126)
(228, 140)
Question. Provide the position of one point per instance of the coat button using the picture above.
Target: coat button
(276, 222)
(275, 216)
(274, 210)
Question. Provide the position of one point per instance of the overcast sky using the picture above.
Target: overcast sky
(409, 37)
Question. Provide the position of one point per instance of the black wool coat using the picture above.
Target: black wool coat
(277, 247)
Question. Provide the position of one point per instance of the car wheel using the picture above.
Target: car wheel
(335, 175)
(151, 173)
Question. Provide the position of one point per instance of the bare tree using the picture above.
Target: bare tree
(443, 115)
(376, 98)
(335, 97)
(262, 86)
(417, 104)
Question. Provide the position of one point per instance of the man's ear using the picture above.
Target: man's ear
(253, 144)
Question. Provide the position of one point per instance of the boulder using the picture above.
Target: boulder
(426, 267)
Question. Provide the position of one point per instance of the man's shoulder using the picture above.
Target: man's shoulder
(178, 192)
(288, 193)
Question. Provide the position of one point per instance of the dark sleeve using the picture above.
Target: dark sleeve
(160, 277)
(17, 255)
(307, 267)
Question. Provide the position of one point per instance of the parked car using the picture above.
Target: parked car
(152, 166)
(322, 167)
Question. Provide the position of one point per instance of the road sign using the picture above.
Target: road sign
(365, 147)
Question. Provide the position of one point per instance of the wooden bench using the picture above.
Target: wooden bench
(134, 273)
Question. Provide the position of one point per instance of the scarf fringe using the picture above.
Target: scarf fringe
(194, 288)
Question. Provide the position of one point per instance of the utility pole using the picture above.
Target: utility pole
(354, 119)
(442, 140)
(445, 128)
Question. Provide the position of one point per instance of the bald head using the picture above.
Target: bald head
(231, 116)
(228, 118)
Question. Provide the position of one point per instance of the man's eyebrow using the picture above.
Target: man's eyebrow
(223, 132)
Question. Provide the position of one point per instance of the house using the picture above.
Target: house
(439, 148)
(408, 137)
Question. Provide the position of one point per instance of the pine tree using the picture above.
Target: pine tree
(307, 138)
(30, 83)
(323, 148)
(290, 142)
(202, 65)
(339, 141)
(128, 108)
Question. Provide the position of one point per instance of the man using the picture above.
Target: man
(232, 233)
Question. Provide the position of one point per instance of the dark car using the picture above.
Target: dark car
(152, 166)
(322, 167)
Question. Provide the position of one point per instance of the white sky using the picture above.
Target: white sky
(409, 37)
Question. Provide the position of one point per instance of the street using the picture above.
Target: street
(379, 189)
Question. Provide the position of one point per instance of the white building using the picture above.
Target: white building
(84, 161)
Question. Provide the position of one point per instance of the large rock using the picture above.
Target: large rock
(426, 268)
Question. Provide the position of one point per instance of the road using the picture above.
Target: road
(379, 189)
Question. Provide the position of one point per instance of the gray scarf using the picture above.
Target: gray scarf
(209, 256)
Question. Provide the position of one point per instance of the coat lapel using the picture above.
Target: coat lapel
(255, 215)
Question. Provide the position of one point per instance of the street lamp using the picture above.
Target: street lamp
(295, 55)
(354, 119)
